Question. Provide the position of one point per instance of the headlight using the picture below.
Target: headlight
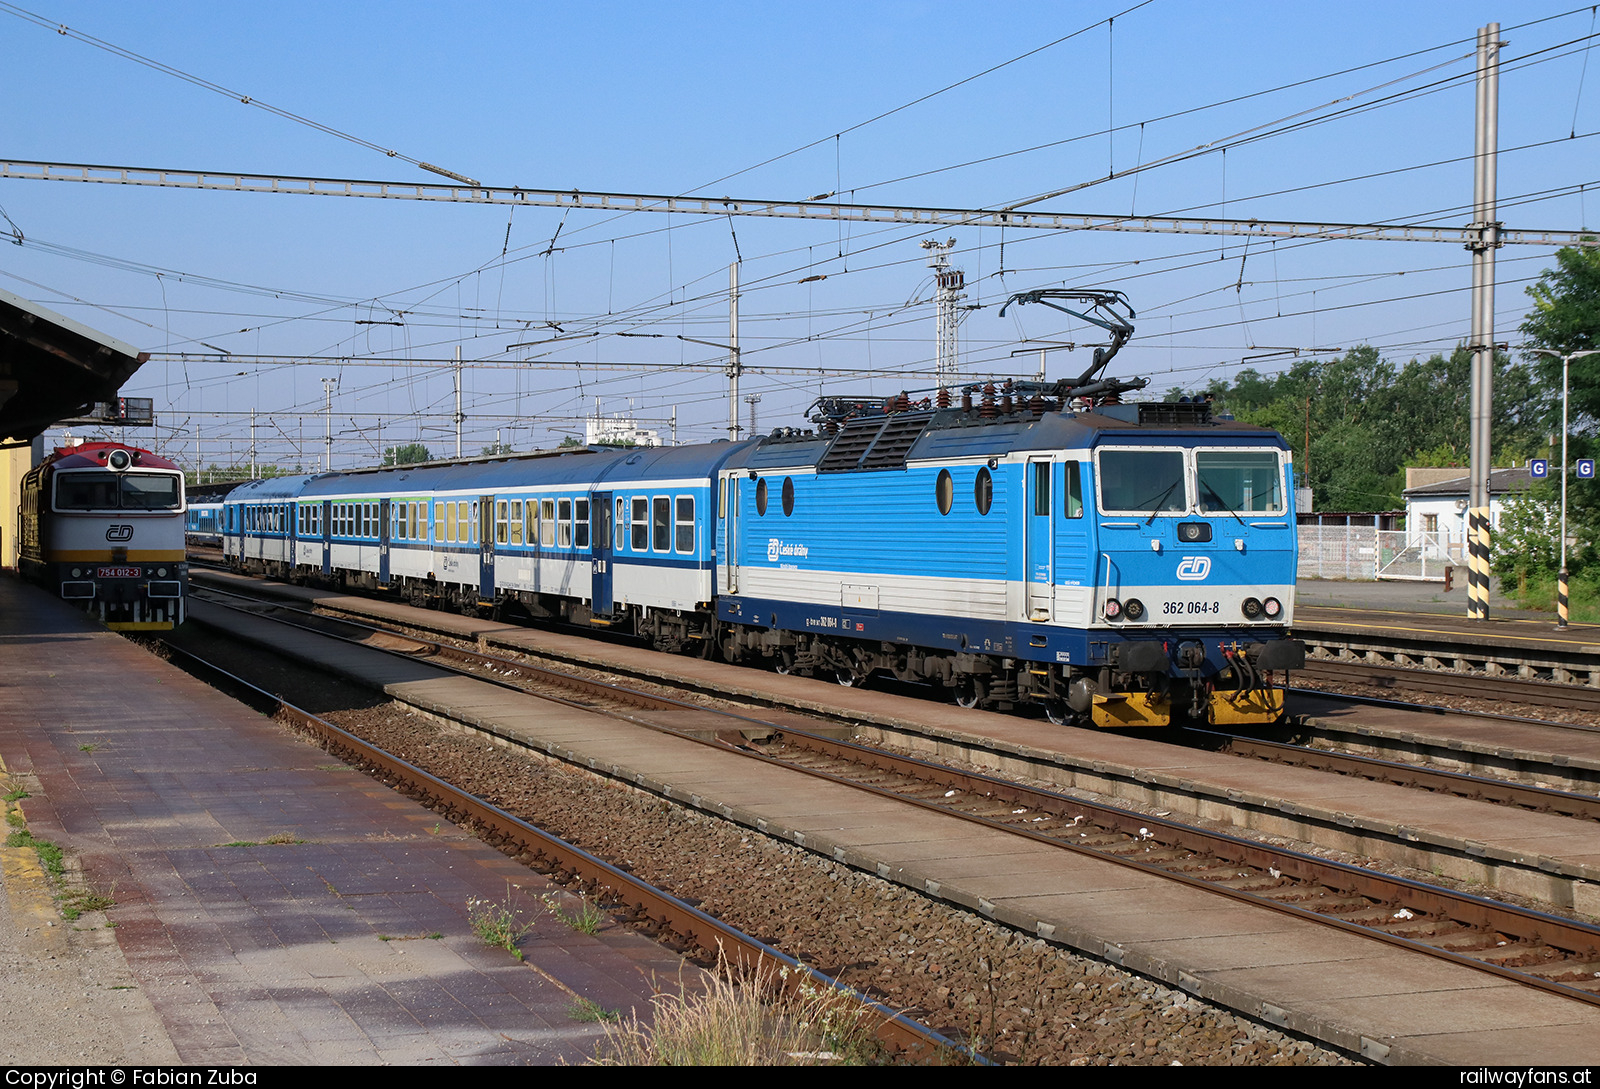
(1113, 609)
(77, 572)
(1133, 609)
(1251, 608)
(1273, 608)
(161, 572)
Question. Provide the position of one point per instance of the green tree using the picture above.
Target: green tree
(569, 442)
(497, 449)
(409, 454)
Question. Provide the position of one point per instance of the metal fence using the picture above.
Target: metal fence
(1362, 552)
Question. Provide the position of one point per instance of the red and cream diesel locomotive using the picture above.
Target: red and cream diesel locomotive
(102, 527)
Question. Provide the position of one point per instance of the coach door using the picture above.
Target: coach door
(383, 542)
(485, 521)
(327, 537)
(601, 567)
(1039, 549)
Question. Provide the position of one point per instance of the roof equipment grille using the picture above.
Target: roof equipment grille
(874, 442)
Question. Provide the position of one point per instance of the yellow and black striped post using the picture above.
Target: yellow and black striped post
(1561, 599)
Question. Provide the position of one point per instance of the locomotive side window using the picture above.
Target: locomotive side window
(1041, 487)
(641, 524)
(683, 534)
(788, 496)
(983, 491)
(1143, 482)
(944, 491)
(1073, 507)
(661, 524)
(1247, 481)
(761, 496)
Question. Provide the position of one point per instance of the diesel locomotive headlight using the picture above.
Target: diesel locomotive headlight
(1133, 609)
(161, 572)
(1113, 609)
(77, 572)
(1251, 608)
(1272, 607)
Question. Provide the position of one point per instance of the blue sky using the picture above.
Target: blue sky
(665, 99)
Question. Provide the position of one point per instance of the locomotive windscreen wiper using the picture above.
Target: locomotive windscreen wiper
(1161, 501)
(1220, 502)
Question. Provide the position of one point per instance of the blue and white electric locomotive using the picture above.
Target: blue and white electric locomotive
(1116, 564)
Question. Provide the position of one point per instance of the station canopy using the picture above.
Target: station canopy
(53, 368)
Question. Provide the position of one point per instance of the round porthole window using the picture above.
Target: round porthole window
(788, 497)
(944, 491)
(761, 496)
(983, 491)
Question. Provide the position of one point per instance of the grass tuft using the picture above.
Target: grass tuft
(75, 903)
(586, 919)
(497, 923)
(746, 1019)
(50, 855)
(585, 1009)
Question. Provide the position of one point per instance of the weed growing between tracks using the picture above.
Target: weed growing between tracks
(746, 1019)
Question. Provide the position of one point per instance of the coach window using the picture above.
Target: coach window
(530, 522)
(684, 529)
(516, 521)
(621, 525)
(983, 491)
(1073, 507)
(761, 496)
(661, 524)
(502, 529)
(641, 524)
(547, 522)
(944, 491)
(580, 523)
(564, 522)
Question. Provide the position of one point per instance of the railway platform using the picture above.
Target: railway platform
(1387, 1004)
(271, 906)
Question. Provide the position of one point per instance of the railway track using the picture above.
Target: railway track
(633, 900)
(1533, 948)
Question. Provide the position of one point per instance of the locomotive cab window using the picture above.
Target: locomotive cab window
(1142, 482)
(1073, 507)
(983, 491)
(1242, 481)
(944, 491)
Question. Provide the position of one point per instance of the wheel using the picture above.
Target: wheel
(845, 677)
(968, 694)
(782, 667)
(1057, 712)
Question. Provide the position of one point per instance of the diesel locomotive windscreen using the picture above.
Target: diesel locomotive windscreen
(118, 491)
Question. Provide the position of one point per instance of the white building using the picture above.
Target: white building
(617, 430)
(1436, 506)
